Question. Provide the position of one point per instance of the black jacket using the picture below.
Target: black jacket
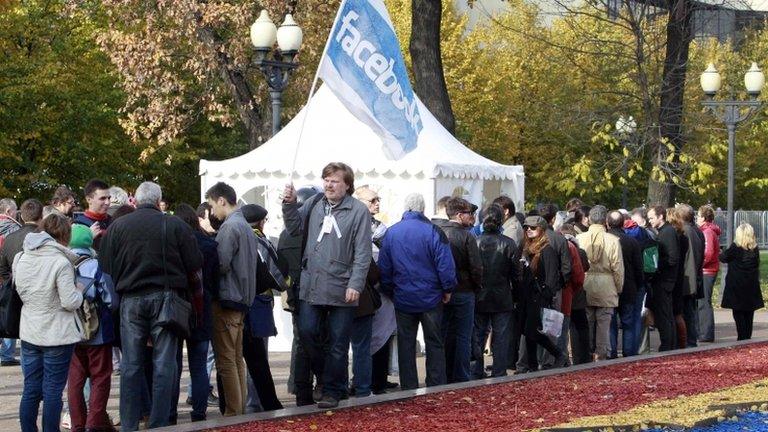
(531, 299)
(694, 262)
(207, 246)
(669, 258)
(131, 251)
(14, 243)
(466, 256)
(500, 273)
(742, 282)
(633, 265)
(558, 243)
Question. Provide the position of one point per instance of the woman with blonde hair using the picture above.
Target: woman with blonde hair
(675, 218)
(742, 281)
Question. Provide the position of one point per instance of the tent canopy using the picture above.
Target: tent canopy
(332, 133)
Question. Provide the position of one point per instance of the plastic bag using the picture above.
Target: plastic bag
(551, 322)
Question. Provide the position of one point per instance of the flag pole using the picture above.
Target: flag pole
(313, 88)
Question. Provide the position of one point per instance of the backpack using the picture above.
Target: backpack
(88, 312)
(651, 258)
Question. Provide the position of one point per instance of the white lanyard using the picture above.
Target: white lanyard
(329, 224)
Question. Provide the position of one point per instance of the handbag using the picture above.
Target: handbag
(551, 322)
(176, 312)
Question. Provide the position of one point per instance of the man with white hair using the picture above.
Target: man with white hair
(418, 272)
(148, 254)
(8, 222)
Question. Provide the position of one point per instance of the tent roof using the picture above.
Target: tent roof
(332, 133)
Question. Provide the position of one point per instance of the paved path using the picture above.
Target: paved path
(11, 379)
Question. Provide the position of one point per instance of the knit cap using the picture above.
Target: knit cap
(82, 237)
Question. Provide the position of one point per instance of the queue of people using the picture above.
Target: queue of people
(123, 286)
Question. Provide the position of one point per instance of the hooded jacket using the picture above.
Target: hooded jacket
(605, 278)
(711, 248)
(45, 281)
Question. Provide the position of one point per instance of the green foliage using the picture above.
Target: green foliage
(59, 111)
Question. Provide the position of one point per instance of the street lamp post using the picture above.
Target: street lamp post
(732, 113)
(625, 128)
(289, 36)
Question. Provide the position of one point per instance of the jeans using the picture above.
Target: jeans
(458, 323)
(362, 359)
(625, 314)
(691, 317)
(599, 319)
(706, 313)
(8, 349)
(138, 317)
(92, 363)
(199, 385)
(515, 335)
(45, 374)
(500, 330)
(407, 327)
(304, 368)
(339, 331)
(209, 361)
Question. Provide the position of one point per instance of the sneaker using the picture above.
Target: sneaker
(212, 399)
(328, 402)
(12, 362)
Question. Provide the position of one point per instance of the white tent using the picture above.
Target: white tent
(439, 166)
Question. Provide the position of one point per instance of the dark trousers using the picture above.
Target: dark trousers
(138, 317)
(580, 336)
(499, 325)
(338, 320)
(458, 325)
(743, 320)
(304, 369)
(197, 359)
(407, 326)
(257, 362)
(532, 342)
(380, 368)
(94, 362)
(705, 311)
(691, 317)
(514, 340)
(663, 317)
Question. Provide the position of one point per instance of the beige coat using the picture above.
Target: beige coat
(605, 278)
(45, 280)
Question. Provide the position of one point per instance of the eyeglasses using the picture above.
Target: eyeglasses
(530, 228)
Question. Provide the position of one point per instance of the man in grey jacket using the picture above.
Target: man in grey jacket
(336, 230)
(238, 255)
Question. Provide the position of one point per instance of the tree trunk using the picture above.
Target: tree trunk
(679, 35)
(427, 61)
(247, 106)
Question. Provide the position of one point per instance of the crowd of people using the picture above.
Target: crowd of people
(123, 286)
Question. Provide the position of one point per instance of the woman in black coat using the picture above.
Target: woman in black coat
(674, 217)
(742, 282)
(494, 301)
(540, 273)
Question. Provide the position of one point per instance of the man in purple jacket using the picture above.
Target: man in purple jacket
(418, 271)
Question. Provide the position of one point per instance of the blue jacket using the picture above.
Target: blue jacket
(416, 264)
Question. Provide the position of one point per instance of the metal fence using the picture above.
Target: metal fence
(757, 218)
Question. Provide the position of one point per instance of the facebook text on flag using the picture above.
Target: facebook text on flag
(377, 68)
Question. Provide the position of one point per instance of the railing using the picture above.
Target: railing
(757, 218)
